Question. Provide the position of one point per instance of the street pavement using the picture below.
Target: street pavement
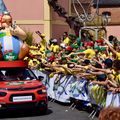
(56, 111)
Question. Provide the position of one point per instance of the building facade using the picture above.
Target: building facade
(34, 15)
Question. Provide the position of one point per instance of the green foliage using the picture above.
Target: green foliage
(29, 38)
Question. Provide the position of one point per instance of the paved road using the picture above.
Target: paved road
(55, 112)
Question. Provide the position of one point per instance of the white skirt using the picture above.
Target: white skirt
(113, 99)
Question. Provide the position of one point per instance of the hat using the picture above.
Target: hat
(89, 44)
(102, 48)
(54, 40)
(52, 58)
(81, 50)
(74, 60)
(97, 48)
(47, 51)
(69, 48)
(74, 46)
(62, 45)
(99, 41)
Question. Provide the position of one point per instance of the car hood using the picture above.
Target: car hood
(17, 84)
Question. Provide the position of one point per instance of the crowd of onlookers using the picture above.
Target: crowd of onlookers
(97, 61)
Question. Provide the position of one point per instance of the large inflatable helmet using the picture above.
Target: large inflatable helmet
(2, 8)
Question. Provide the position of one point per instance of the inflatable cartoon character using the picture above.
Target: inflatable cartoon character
(12, 39)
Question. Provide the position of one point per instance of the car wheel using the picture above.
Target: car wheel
(42, 110)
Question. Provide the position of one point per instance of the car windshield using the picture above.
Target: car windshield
(16, 74)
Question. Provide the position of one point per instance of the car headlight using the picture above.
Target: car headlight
(43, 91)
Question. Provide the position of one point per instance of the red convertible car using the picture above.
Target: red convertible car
(20, 88)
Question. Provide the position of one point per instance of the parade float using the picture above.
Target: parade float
(19, 87)
(12, 39)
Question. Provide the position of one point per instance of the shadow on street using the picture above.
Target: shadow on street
(22, 113)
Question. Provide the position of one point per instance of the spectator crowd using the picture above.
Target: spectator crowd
(95, 61)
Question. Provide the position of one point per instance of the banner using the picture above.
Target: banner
(113, 99)
(63, 87)
(79, 90)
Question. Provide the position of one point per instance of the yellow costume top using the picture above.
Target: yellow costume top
(90, 53)
(67, 40)
(43, 43)
(115, 76)
(103, 56)
(55, 48)
(118, 55)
